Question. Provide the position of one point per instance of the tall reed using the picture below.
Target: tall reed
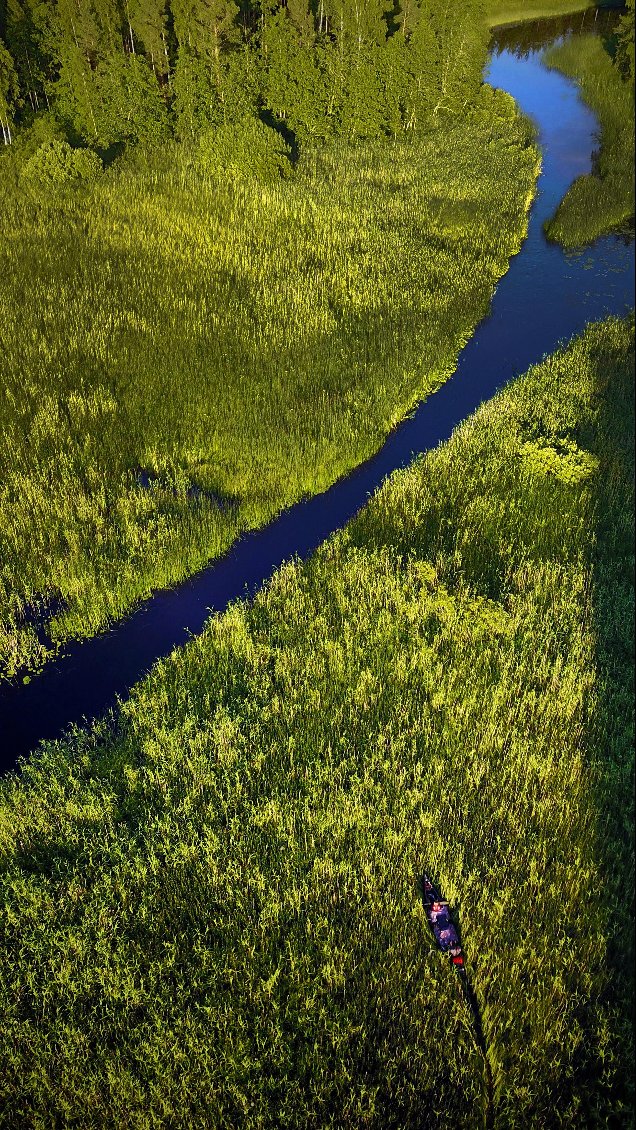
(209, 907)
(184, 354)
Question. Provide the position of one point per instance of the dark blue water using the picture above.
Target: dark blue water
(545, 298)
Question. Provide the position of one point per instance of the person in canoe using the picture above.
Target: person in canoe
(438, 915)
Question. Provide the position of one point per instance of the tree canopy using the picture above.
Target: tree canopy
(119, 70)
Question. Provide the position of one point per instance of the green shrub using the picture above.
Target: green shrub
(56, 163)
(254, 149)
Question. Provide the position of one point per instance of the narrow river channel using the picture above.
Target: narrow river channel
(546, 297)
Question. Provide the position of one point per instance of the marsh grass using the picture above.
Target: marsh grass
(604, 200)
(234, 344)
(210, 915)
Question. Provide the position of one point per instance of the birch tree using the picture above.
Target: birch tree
(34, 45)
(294, 85)
(9, 93)
(208, 34)
(147, 21)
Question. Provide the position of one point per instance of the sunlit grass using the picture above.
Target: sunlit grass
(183, 356)
(501, 12)
(209, 908)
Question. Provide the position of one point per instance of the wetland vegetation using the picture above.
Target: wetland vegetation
(604, 200)
(210, 907)
(242, 343)
(219, 290)
(504, 12)
(221, 323)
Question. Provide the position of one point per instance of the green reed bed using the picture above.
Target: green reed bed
(604, 200)
(210, 916)
(184, 355)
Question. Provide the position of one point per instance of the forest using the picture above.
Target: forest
(149, 69)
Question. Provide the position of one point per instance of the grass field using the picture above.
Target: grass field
(185, 355)
(209, 906)
(603, 201)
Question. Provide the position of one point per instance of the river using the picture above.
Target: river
(545, 298)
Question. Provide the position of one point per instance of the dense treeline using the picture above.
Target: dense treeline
(118, 70)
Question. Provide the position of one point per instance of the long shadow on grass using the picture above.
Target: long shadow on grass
(610, 731)
(472, 1003)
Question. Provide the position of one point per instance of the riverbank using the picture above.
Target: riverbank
(197, 352)
(210, 913)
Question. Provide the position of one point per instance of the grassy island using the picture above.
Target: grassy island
(604, 200)
(502, 12)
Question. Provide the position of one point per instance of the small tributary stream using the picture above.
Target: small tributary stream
(546, 297)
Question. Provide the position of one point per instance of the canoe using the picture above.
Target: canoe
(442, 926)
